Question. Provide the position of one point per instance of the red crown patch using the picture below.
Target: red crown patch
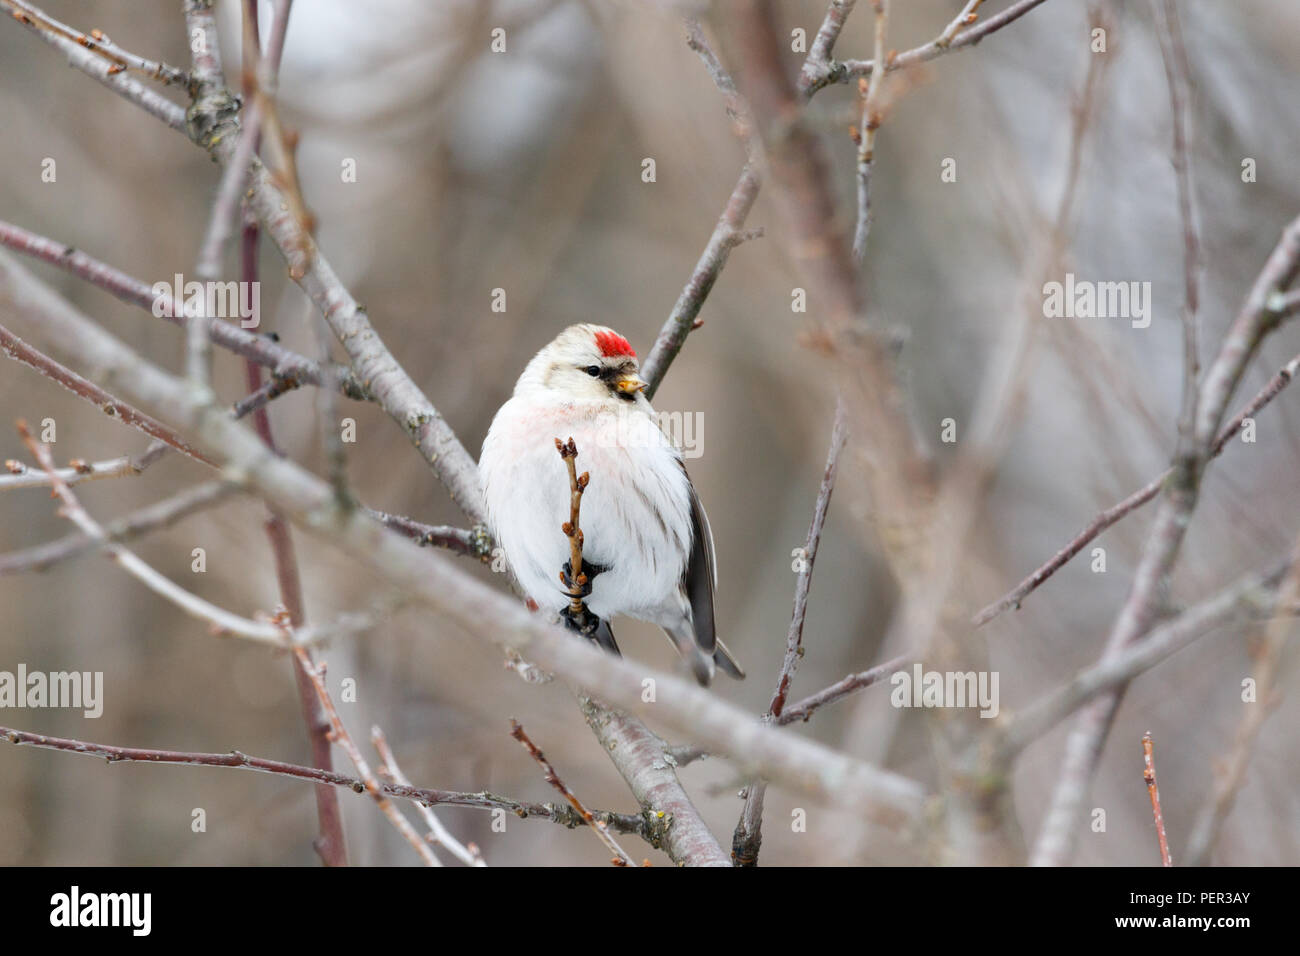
(611, 344)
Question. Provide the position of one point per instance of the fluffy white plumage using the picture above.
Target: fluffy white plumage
(642, 522)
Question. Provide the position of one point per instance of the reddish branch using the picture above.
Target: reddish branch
(457, 540)
(482, 800)
(110, 405)
(331, 845)
(1149, 775)
(620, 855)
(338, 733)
(572, 528)
(262, 349)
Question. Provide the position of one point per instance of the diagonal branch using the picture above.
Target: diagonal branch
(1148, 492)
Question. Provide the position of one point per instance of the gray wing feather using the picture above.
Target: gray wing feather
(701, 575)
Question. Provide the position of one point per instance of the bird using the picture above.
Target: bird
(647, 546)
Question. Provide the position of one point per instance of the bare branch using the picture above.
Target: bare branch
(262, 349)
(316, 674)
(804, 709)
(641, 758)
(222, 621)
(620, 855)
(108, 72)
(867, 134)
(1178, 76)
(831, 71)
(163, 514)
(1229, 775)
(439, 835)
(1149, 775)
(747, 839)
(113, 407)
(473, 544)
(482, 800)
(1083, 748)
(1011, 600)
(20, 476)
(1248, 599)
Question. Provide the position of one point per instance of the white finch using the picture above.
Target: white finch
(646, 539)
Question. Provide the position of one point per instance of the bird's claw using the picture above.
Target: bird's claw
(584, 622)
(582, 587)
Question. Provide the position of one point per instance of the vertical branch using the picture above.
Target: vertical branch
(1257, 317)
(212, 103)
(1149, 775)
(867, 136)
(577, 580)
(1178, 75)
(747, 839)
(331, 845)
(1229, 776)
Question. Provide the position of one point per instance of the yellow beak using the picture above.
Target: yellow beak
(630, 383)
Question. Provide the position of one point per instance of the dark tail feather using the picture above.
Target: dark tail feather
(722, 657)
(604, 636)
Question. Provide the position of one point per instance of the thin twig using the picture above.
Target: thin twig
(108, 72)
(98, 43)
(1149, 775)
(867, 135)
(1178, 75)
(439, 835)
(573, 531)
(1254, 321)
(1012, 599)
(480, 800)
(620, 855)
(727, 234)
(1253, 596)
(827, 71)
(316, 673)
(163, 514)
(111, 406)
(747, 839)
(264, 350)
(967, 16)
(804, 709)
(472, 543)
(222, 621)
(1230, 774)
(20, 476)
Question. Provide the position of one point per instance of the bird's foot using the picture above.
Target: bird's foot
(580, 588)
(582, 622)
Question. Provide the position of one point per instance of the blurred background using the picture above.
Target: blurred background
(522, 171)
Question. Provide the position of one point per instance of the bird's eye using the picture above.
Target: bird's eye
(593, 371)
